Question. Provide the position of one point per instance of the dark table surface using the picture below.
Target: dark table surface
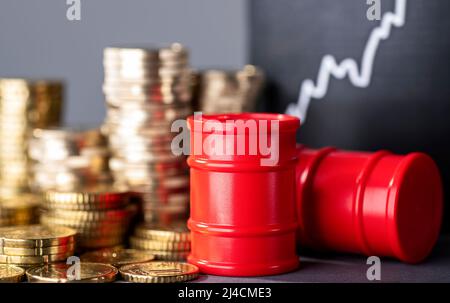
(351, 268)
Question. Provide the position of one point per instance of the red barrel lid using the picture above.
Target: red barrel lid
(415, 203)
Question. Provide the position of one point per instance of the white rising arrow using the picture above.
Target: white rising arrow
(329, 67)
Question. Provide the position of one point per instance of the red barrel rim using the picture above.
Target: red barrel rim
(286, 122)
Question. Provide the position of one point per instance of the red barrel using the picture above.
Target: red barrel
(242, 219)
(377, 204)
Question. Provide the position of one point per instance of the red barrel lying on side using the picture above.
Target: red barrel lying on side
(371, 203)
(242, 219)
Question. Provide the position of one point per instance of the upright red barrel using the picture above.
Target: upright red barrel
(371, 203)
(242, 219)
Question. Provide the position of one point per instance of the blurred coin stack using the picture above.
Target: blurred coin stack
(21, 210)
(169, 242)
(64, 159)
(230, 91)
(23, 105)
(146, 89)
(101, 215)
(33, 245)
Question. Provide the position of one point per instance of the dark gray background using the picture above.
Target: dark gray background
(407, 105)
(37, 40)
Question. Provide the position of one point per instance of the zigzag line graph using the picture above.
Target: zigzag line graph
(348, 67)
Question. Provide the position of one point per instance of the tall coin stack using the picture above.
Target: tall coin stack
(64, 159)
(146, 89)
(230, 91)
(101, 215)
(23, 105)
(34, 245)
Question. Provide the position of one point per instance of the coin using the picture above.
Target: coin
(22, 202)
(83, 206)
(99, 230)
(165, 215)
(38, 251)
(169, 199)
(159, 245)
(112, 215)
(35, 236)
(5, 259)
(159, 272)
(101, 194)
(176, 232)
(19, 210)
(11, 273)
(169, 255)
(78, 224)
(117, 257)
(58, 273)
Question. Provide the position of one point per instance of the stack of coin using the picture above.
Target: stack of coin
(24, 104)
(167, 242)
(66, 159)
(146, 89)
(230, 91)
(33, 245)
(100, 215)
(20, 210)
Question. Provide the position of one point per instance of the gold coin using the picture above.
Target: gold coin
(169, 255)
(99, 197)
(83, 224)
(20, 210)
(159, 245)
(24, 202)
(58, 273)
(105, 230)
(11, 273)
(117, 257)
(174, 199)
(112, 215)
(81, 206)
(4, 259)
(176, 232)
(38, 251)
(159, 272)
(35, 236)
